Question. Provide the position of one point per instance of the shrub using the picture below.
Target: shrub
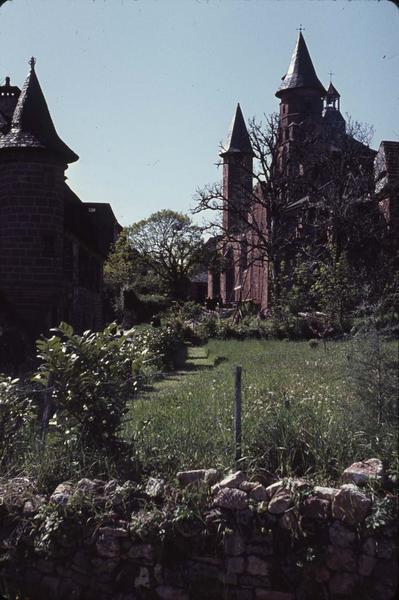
(17, 414)
(90, 378)
(165, 345)
(373, 372)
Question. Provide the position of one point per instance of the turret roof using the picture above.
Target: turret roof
(238, 139)
(301, 72)
(332, 91)
(32, 126)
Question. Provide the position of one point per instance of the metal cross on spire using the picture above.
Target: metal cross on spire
(32, 62)
(301, 28)
(331, 74)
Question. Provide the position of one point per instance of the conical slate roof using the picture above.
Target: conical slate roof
(332, 92)
(32, 126)
(301, 72)
(238, 139)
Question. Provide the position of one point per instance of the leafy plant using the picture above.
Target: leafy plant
(89, 379)
(17, 413)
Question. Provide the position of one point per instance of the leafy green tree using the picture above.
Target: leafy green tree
(334, 288)
(121, 265)
(170, 246)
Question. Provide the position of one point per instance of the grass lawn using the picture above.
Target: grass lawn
(302, 412)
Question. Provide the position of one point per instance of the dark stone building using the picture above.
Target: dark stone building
(52, 245)
(312, 133)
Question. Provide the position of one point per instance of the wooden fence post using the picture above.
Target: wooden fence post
(237, 415)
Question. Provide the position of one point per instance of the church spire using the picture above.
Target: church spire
(301, 72)
(238, 140)
(332, 96)
(32, 125)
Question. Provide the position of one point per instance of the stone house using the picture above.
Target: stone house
(52, 245)
(311, 133)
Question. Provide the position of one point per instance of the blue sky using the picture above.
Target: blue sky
(144, 90)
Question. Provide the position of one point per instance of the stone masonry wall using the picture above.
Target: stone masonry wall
(31, 238)
(247, 541)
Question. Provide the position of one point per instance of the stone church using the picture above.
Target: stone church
(52, 245)
(308, 111)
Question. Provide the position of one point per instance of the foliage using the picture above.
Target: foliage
(121, 265)
(335, 289)
(16, 416)
(373, 372)
(91, 377)
(170, 245)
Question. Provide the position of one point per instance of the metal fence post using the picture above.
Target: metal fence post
(237, 414)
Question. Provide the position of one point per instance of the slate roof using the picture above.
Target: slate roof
(93, 223)
(301, 72)
(238, 140)
(9, 95)
(104, 222)
(332, 91)
(78, 222)
(32, 126)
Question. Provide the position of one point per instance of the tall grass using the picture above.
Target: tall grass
(301, 413)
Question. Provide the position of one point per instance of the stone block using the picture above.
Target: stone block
(325, 493)
(248, 486)
(350, 505)
(366, 565)
(69, 590)
(45, 566)
(141, 551)
(227, 578)
(143, 579)
(231, 481)
(231, 499)
(234, 544)
(50, 586)
(369, 546)
(104, 565)
(280, 502)
(341, 536)
(89, 487)
(254, 581)
(209, 476)
(257, 566)
(62, 493)
(274, 487)
(385, 576)
(167, 592)
(364, 472)
(235, 564)
(340, 559)
(107, 544)
(342, 583)
(259, 493)
(316, 508)
(385, 548)
(320, 573)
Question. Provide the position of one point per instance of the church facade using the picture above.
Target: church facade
(52, 245)
(310, 134)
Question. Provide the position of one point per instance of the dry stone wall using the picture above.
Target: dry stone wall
(202, 539)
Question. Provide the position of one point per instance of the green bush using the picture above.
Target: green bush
(373, 373)
(165, 344)
(17, 414)
(90, 379)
